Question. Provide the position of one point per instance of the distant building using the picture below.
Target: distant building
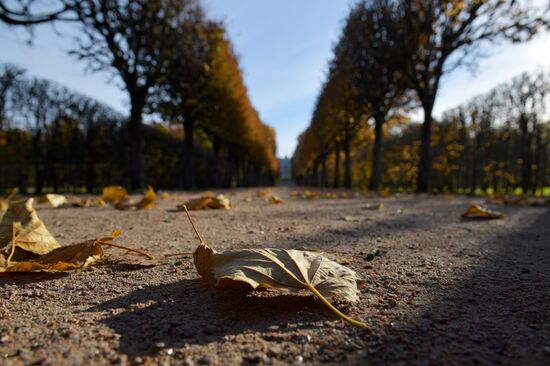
(285, 170)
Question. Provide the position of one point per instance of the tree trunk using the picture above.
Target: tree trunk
(377, 154)
(315, 173)
(135, 144)
(188, 159)
(37, 159)
(324, 174)
(347, 163)
(425, 162)
(473, 182)
(216, 143)
(336, 165)
(526, 156)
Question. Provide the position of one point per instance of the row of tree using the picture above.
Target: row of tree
(176, 65)
(498, 142)
(389, 60)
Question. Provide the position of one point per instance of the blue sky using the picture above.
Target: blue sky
(284, 48)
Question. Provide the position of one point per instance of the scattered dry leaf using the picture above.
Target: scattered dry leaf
(220, 201)
(54, 200)
(85, 202)
(291, 270)
(147, 202)
(207, 201)
(197, 204)
(62, 259)
(478, 212)
(275, 200)
(32, 236)
(67, 258)
(114, 194)
(164, 195)
(263, 193)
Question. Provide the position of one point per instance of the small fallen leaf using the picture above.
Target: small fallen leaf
(54, 200)
(275, 200)
(310, 195)
(220, 201)
(263, 193)
(32, 235)
(197, 204)
(164, 195)
(207, 201)
(478, 212)
(114, 194)
(291, 270)
(147, 202)
(87, 202)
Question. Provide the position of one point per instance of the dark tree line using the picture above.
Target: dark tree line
(174, 63)
(390, 58)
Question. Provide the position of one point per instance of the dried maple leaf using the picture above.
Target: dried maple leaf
(71, 257)
(62, 259)
(282, 269)
(114, 194)
(478, 212)
(30, 232)
(54, 200)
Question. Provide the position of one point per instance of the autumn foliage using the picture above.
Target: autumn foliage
(388, 63)
(178, 68)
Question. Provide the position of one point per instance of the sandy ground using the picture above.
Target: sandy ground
(439, 290)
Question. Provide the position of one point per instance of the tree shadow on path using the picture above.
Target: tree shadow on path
(500, 314)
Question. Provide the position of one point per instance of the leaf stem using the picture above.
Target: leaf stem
(193, 225)
(145, 254)
(346, 318)
(12, 244)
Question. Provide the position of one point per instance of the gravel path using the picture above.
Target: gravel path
(440, 290)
